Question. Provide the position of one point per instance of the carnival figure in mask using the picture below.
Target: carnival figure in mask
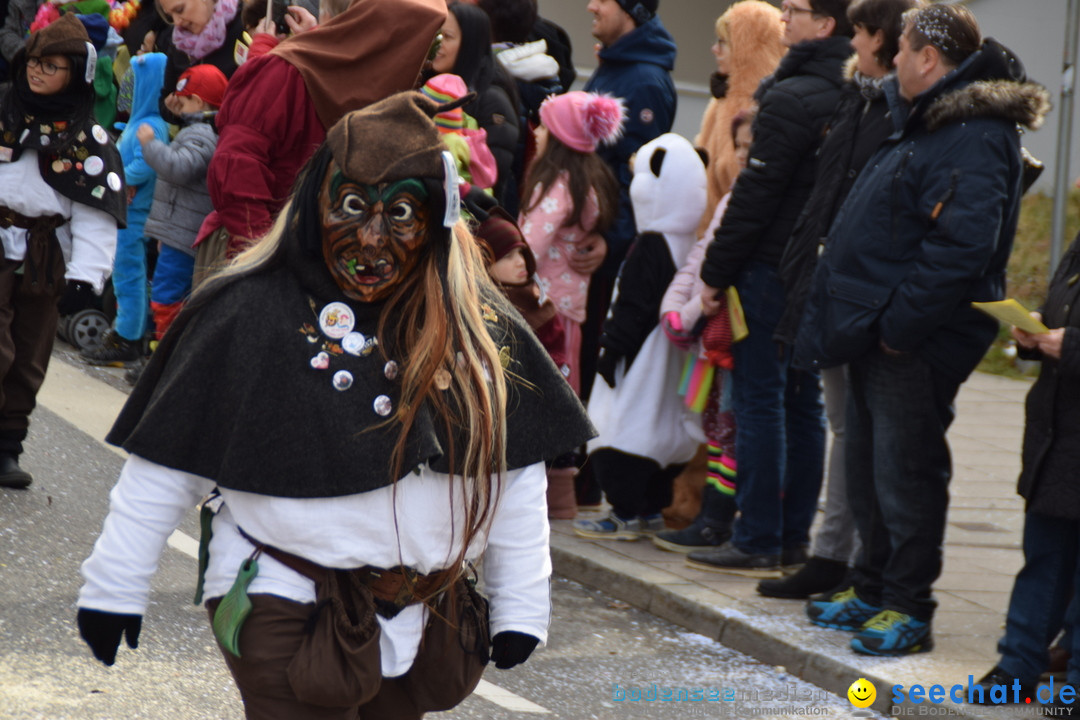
(367, 418)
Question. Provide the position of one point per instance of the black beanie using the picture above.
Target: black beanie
(642, 11)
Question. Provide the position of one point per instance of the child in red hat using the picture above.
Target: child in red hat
(181, 200)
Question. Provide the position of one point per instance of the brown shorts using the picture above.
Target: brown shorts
(447, 668)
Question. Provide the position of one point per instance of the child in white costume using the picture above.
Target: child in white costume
(637, 409)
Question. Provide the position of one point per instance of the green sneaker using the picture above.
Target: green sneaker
(841, 611)
(893, 633)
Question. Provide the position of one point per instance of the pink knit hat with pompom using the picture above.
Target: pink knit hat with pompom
(582, 120)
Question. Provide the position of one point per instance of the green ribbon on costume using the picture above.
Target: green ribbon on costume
(206, 532)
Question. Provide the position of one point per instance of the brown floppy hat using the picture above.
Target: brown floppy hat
(390, 140)
(65, 36)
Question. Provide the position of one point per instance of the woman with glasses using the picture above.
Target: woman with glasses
(465, 51)
(61, 201)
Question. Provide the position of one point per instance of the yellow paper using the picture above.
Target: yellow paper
(1012, 312)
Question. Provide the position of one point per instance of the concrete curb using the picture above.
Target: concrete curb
(739, 626)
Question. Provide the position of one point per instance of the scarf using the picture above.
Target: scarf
(25, 108)
(718, 85)
(871, 88)
(339, 436)
(76, 157)
(213, 35)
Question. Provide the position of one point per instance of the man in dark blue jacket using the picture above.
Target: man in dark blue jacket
(926, 230)
(637, 55)
(780, 444)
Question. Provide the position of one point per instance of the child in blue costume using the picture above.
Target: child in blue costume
(123, 343)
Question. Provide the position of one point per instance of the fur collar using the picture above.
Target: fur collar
(1023, 103)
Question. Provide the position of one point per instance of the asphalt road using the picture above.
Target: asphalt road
(601, 657)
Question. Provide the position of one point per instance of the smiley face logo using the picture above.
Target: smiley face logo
(862, 693)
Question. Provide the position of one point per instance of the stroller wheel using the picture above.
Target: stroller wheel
(86, 328)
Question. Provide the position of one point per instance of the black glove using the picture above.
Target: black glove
(510, 648)
(78, 295)
(102, 632)
(605, 366)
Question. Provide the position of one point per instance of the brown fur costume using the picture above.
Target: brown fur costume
(755, 48)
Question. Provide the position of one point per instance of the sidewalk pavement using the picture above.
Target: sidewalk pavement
(982, 556)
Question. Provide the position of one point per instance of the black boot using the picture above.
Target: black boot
(817, 575)
(11, 475)
(711, 528)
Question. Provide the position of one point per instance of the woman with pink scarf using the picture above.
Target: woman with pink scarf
(199, 32)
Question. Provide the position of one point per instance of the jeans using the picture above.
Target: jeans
(836, 538)
(898, 471)
(780, 442)
(1040, 596)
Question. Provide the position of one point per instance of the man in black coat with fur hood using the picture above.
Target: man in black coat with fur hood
(926, 230)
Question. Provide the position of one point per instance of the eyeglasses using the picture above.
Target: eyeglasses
(789, 10)
(46, 67)
(435, 45)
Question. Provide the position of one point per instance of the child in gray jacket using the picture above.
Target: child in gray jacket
(181, 200)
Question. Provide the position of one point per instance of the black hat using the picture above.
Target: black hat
(642, 11)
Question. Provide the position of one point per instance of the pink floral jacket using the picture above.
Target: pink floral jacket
(552, 243)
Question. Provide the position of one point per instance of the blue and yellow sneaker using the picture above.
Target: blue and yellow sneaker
(841, 611)
(893, 633)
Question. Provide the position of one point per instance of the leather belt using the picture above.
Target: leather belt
(399, 586)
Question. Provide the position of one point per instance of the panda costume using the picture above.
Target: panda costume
(637, 410)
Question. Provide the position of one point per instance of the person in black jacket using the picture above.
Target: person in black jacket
(781, 439)
(466, 52)
(926, 230)
(1048, 483)
(861, 123)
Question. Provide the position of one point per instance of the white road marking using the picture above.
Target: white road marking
(92, 407)
(85, 402)
(184, 543)
(505, 698)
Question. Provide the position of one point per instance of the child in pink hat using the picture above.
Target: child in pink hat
(572, 195)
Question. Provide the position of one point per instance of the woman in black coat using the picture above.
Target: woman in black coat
(1050, 483)
(466, 52)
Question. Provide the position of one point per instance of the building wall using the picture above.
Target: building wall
(691, 22)
(1034, 29)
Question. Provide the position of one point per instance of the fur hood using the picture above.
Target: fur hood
(1025, 104)
(990, 83)
(754, 35)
